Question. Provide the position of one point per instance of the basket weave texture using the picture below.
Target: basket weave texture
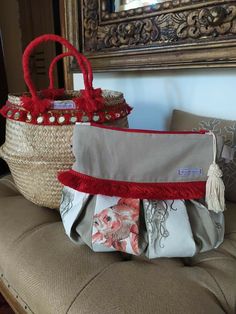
(36, 154)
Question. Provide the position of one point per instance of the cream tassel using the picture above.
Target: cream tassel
(215, 188)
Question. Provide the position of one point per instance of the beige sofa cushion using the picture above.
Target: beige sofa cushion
(227, 128)
(145, 288)
(38, 261)
(49, 271)
(18, 218)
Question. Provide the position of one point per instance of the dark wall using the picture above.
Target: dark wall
(3, 97)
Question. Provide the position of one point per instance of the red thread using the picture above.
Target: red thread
(159, 191)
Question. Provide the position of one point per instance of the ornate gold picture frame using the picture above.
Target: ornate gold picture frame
(165, 35)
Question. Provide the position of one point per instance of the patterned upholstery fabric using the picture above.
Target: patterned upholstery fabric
(227, 128)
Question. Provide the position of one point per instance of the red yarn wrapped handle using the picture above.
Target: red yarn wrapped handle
(68, 54)
(82, 61)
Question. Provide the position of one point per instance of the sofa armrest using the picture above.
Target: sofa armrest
(8, 187)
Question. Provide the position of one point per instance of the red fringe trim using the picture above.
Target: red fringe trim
(159, 191)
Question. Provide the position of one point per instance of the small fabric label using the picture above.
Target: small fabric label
(65, 104)
(228, 153)
(190, 172)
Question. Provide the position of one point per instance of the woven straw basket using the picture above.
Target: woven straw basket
(38, 145)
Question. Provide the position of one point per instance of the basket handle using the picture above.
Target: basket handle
(51, 37)
(67, 54)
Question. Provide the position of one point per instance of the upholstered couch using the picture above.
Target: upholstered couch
(43, 272)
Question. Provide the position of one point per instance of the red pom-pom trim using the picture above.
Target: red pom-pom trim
(160, 191)
(90, 100)
(35, 106)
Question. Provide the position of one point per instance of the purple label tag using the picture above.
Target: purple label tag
(190, 172)
(63, 104)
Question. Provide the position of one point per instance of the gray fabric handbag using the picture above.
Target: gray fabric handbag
(137, 191)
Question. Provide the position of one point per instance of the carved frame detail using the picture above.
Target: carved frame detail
(172, 34)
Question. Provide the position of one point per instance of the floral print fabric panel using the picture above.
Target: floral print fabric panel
(116, 225)
(168, 229)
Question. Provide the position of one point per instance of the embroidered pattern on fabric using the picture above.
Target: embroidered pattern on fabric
(66, 202)
(156, 215)
(117, 226)
(229, 135)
